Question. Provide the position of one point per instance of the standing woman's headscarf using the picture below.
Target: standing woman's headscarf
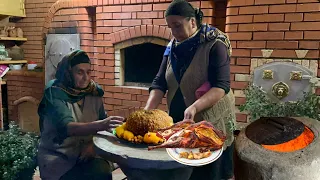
(186, 50)
(185, 9)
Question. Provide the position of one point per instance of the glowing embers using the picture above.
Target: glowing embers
(280, 134)
(298, 143)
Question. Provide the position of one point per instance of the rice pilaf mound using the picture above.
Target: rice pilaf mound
(141, 122)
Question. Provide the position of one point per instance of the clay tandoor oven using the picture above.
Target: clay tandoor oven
(278, 149)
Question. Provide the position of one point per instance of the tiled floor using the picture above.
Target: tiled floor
(116, 175)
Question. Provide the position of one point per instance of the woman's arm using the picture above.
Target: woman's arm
(158, 87)
(219, 67)
(91, 128)
(207, 100)
(78, 129)
(84, 129)
(61, 117)
(154, 99)
(218, 76)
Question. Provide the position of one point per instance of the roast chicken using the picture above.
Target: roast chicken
(194, 135)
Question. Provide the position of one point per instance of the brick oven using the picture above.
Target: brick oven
(125, 40)
(261, 31)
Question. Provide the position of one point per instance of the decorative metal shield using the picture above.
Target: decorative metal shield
(284, 81)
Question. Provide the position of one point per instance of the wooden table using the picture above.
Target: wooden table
(136, 162)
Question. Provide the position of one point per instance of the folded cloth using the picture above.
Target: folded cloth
(204, 88)
(3, 70)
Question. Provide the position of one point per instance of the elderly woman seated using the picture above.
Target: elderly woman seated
(71, 111)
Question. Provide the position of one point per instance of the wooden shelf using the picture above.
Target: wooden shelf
(12, 39)
(2, 17)
(3, 81)
(14, 62)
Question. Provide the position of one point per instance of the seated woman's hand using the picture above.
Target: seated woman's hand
(112, 122)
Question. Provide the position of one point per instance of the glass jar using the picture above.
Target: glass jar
(3, 52)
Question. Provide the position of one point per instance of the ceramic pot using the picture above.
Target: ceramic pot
(16, 53)
(4, 32)
(19, 32)
(13, 32)
(32, 65)
(15, 66)
(3, 53)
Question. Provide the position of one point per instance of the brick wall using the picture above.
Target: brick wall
(21, 84)
(105, 24)
(277, 26)
(96, 21)
(254, 27)
(36, 11)
(77, 20)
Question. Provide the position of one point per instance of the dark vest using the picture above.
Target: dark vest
(222, 114)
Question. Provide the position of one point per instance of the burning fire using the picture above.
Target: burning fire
(298, 143)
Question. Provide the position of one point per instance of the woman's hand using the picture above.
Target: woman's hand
(190, 112)
(209, 99)
(111, 122)
(91, 128)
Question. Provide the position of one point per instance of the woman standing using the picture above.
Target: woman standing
(71, 111)
(195, 74)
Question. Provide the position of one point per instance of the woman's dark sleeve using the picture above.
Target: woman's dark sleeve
(219, 67)
(159, 82)
(102, 113)
(60, 116)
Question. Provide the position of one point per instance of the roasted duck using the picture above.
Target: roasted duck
(166, 133)
(182, 124)
(195, 135)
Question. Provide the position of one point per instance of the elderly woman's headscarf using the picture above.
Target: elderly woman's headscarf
(65, 79)
(63, 86)
(62, 89)
(64, 71)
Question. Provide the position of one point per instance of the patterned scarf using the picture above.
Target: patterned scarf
(65, 82)
(63, 86)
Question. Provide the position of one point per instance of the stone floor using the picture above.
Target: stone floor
(116, 175)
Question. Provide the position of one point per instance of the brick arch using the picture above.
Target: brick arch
(141, 31)
(64, 4)
(26, 110)
(144, 30)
